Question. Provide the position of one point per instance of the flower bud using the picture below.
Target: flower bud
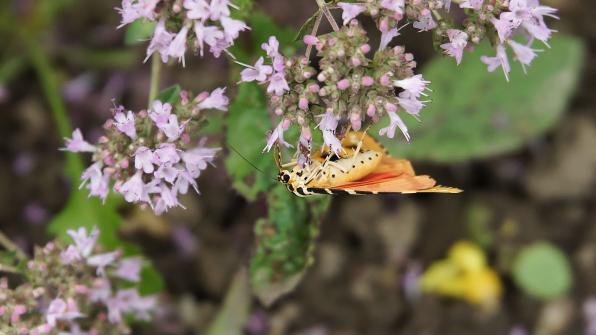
(367, 81)
(303, 103)
(365, 48)
(385, 81)
(355, 61)
(314, 88)
(278, 111)
(343, 84)
(356, 121)
(310, 40)
(389, 107)
(371, 110)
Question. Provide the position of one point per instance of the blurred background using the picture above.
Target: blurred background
(523, 151)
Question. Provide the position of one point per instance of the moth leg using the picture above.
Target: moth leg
(289, 164)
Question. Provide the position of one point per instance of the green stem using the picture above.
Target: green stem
(314, 32)
(49, 83)
(155, 77)
(10, 246)
(325, 10)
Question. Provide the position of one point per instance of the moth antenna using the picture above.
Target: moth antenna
(246, 159)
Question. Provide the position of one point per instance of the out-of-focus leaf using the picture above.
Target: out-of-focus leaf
(170, 95)
(479, 218)
(542, 270)
(102, 59)
(263, 27)
(475, 114)
(244, 9)
(307, 27)
(139, 32)
(233, 315)
(10, 68)
(285, 243)
(247, 125)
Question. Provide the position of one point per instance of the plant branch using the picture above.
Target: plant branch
(10, 246)
(325, 10)
(315, 29)
(155, 77)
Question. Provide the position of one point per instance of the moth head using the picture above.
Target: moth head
(284, 176)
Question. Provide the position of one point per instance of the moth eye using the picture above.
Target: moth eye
(286, 178)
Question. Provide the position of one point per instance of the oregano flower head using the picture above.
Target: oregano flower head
(153, 155)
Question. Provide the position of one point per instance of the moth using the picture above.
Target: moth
(363, 167)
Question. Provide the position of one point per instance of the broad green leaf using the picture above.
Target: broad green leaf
(542, 270)
(285, 243)
(170, 95)
(247, 125)
(233, 315)
(139, 32)
(476, 114)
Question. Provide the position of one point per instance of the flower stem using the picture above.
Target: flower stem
(155, 77)
(325, 10)
(315, 29)
(10, 246)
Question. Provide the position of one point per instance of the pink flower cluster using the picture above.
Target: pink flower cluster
(151, 156)
(74, 286)
(348, 88)
(201, 23)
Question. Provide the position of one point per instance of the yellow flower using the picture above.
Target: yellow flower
(467, 256)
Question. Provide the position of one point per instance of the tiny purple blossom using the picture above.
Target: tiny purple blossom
(415, 85)
(133, 189)
(216, 100)
(160, 113)
(387, 37)
(277, 136)
(160, 42)
(500, 60)
(259, 72)
(177, 48)
(457, 42)
(102, 261)
(209, 35)
(59, 310)
(196, 160)
(395, 121)
(167, 172)
(126, 124)
(219, 9)
(101, 290)
(166, 153)
(98, 182)
(425, 22)
(328, 125)
(278, 84)
(129, 13)
(197, 9)
(184, 180)
(271, 47)
(350, 11)
(232, 28)
(167, 199)
(84, 243)
(77, 143)
(472, 4)
(144, 160)
(173, 129)
(129, 269)
(394, 5)
(523, 53)
(146, 8)
(410, 103)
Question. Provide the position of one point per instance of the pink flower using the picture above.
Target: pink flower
(126, 124)
(146, 8)
(70, 255)
(457, 42)
(167, 172)
(409, 103)
(84, 243)
(350, 11)
(129, 269)
(394, 5)
(387, 37)
(219, 9)
(134, 190)
(209, 35)
(160, 113)
(129, 13)
(77, 143)
(259, 72)
(499, 60)
(504, 26)
(271, 47)
(523, 53)
(167, 199)
(216, 100)
(196, 9)
(98, 181)
(184, 180)
(101, 290)
(102, 261)
(425, 21)
(166, 154)
(173, 129)
(60, 310)
(415, 85)
(177, 48)
(144, 160)
(196, 160)
(395, 121)
(328, 125)
(160, 42)
(277, 136)
(129, 301)
(472, 4)
(232, 28)
(278, 84)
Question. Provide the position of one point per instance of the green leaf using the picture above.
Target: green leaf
(476, 114)
(247, 125)
(139, 32)
(307, 27)
(244, 9)
(285, 243)
(263, 27)
(234, 313)
(542, 270)
(170, 95)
